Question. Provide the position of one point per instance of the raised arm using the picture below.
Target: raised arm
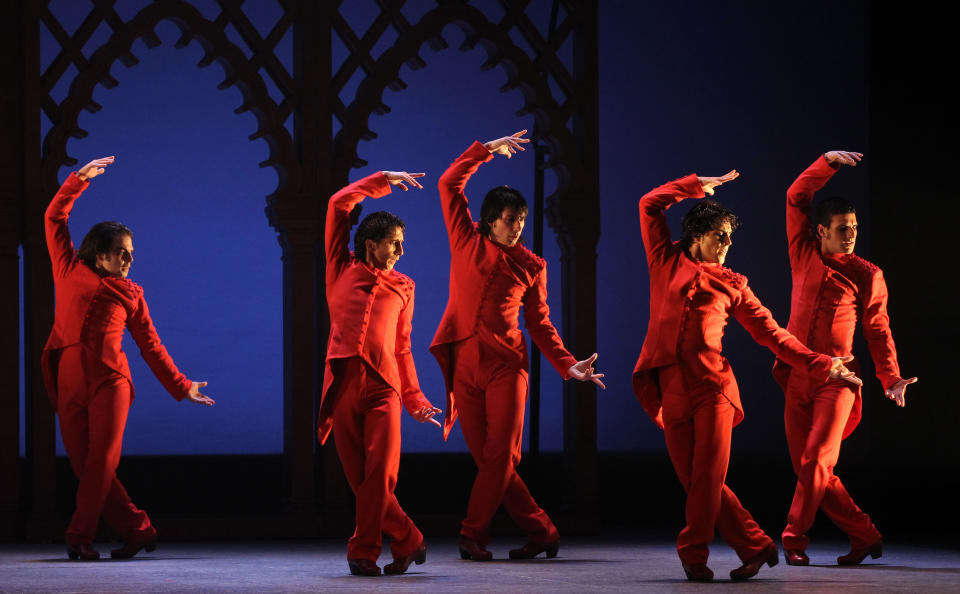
(800, 197)
(59, 244)
(412, 396)
(653, 205)
(452, 184)
(759, 322)
(337, 232)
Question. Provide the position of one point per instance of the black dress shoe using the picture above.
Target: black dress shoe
(471, 549)
(363, 567)
(768, 555)
(796, 557)
(855, 556)
(698, 572)
(532, 549)
(82, 552)
(133, 546)
(401, 564)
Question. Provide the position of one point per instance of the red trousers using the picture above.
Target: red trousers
(698, 428)
(815, 417)
(93, 402)
(366, 426)
(491, 399)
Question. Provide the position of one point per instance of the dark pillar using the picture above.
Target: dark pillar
(13, 117)
(578, 239)
(42, 522)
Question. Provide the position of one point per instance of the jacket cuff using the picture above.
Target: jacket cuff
(820, 368)
(691, 186)
(415, 403)
(187, 385)
(889, 381)
(824, 167)
(73, 181)
(379, 180)
(824, 164)
(563, 366)
(478, 152)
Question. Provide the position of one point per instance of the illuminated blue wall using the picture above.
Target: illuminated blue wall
(684, 87)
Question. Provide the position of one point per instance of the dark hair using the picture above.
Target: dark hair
(829, 207)
(99, 240)
(706, 216)
(375, 227)
(495, 202)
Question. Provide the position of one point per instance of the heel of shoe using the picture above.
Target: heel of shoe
(72, 554)
(552, 550)
(464, 554)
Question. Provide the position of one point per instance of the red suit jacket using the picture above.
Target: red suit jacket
(92, 310)
(830, 292)
(673, 278)
(371, 311)
(474, 258)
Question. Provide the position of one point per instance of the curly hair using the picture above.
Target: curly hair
(495, 202)
(706, 216)
(829, 207)
(374, 227)
(99, 240)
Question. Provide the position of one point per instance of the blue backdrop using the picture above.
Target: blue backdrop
(684, 87)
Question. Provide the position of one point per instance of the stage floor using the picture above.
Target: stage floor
(583, 565)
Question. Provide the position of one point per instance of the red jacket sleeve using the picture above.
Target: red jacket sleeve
(876, 329)
(337, 232)
(759, 322)
(411, 395)
(653, 222)
(453, 199)
(155, 354)
(59, 244)
(800, 240)
(536, 316)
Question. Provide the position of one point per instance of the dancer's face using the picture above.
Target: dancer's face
(117, 262)
(383, 254)
(841, 236)
(713, 245)
(507, 229)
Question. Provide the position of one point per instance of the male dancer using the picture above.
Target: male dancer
(85, 369)
(369, 370)
(685, 383)
(482, 352)
(832, 288)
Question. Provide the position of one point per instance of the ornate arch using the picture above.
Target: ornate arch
(523, 74)
(240, 72)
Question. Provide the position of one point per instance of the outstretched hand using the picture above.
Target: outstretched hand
(843, 157)
(839, 371)
(583, 371)
(898, 392)
(709, 183)
(194, 394)
(508, 145)
(396, 178)
(94, 168)
(426, 413)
